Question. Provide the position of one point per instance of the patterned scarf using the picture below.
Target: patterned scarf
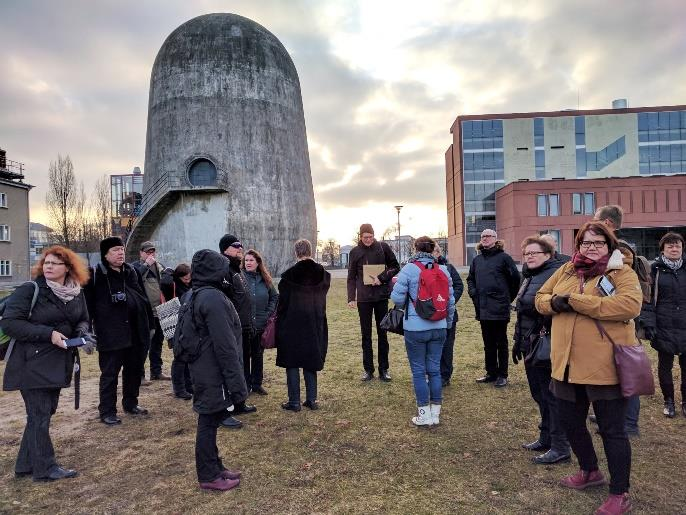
(65, 292)
(423, 255)
(586, 268)
(672, 264)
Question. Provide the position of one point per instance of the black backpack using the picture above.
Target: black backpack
(187, 338)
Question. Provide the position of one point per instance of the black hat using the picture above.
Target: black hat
(366, 228)
(108, 243)
(226, 242)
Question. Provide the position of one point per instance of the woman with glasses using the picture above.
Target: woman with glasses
(40, 363)
(540, 265)
(665, 319)
(594, 292)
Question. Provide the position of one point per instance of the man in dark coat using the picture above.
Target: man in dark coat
(302, 333)
(122, 319)
(371, 296)
(217, 372)
(493, 282)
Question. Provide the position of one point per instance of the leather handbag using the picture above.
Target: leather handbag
(633, 367)
(539, 355)
(393, 320)
(268, 340)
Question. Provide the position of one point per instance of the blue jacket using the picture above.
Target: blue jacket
(408, 281)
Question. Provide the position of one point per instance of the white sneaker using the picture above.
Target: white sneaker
(435, 413)
(424, 418)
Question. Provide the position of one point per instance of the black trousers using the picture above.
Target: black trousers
(496, 355)
(665, 363)
(36, 453)
(293, 385)
(253, 358)
(181, 377)
(130, 362)
(610, 415)
(551, 433)
(447, 354)
(208, 464)
(365, 311)
(155, 352)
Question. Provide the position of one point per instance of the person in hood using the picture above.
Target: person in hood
(540, 262)
(492, 283)
(582, 359)
(217, 372)
(371, 296)
(302, 332)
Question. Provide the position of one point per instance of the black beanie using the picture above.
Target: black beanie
(366, 228)
(108, 243)
(226, 242)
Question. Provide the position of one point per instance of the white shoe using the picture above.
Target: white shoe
(435, 413)
(424, 418)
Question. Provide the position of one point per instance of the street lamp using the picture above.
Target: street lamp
(398, 208)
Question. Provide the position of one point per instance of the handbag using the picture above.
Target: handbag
(633, 367)
(393, 320)
(539, 355)
(168, 314)
(268, 340)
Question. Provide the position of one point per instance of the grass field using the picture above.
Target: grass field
(358, 453)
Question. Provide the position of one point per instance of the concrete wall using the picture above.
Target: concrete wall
(519, 164)
(559, 162)
(601, 130)
(16, 215)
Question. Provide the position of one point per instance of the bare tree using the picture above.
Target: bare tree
(61, 198)
(390, 231)
(101, 207)
(331, 251)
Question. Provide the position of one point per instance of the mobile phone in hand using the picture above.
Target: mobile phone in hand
(606, 287)
(75, 342)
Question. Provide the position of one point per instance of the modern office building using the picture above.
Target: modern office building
(492, 151)
(15, 265)
(126, 197)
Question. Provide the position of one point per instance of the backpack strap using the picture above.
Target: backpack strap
(10, 347)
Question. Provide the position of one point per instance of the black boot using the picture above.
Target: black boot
(683, 408)
(669, 410)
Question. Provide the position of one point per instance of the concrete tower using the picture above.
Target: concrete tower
(226, 148)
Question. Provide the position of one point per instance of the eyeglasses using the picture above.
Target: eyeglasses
(487, 236)
(530, 254)
(150, 251)
(237, 245)
(596, 244)
(52, 263)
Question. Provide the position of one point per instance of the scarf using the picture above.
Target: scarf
(586, 268)
(422, 255)
(672, 264)
(65, 292)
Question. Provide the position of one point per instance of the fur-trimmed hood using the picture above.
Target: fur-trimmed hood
(499, 245)
(617, 261)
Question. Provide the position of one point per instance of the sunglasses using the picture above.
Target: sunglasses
(150, 251)
(237, 245)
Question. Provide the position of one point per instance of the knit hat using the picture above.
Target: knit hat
(108, 243)
(366, 228)
(226, 242)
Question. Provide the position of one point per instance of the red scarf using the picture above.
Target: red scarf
(586, 268)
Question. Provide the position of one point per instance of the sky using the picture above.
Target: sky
(382, 82)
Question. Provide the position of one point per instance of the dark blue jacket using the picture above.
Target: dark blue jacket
(264, 299)
(492, 283)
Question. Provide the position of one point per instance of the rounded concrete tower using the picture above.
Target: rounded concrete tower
(226, 148)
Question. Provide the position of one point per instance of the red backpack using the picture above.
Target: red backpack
(433, 293)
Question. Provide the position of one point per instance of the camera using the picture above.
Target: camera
(118, 297)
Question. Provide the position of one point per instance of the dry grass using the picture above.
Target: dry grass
(357, 454)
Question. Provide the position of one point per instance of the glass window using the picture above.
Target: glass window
(542, 201)
(4, 233)
(466, 130)
(3, 199)
(601, 157)
(5, 268)
(663, 120)
(539, 157)
(621, 146)
(642, 121)
(579, 124)
(498, 128)
(674, 120)
(468, 161)
(554, 204)
(580, 162)
(683, 119)
(476, 129)
(644, 167)
(589, 203)
(675, 152)
(576, 203)
(202, 173)
(591, 161)
(652, 121)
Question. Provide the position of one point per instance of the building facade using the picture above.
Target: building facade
(489, 152)
(40, 237)
(15, 265)
(126, 197)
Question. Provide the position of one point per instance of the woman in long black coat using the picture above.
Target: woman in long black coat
(302, 333)
(40, 364)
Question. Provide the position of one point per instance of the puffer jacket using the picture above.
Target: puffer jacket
(579, 353)
(493, 282)
(667, 316)
(35, 362)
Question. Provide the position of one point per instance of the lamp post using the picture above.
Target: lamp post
(398, 208)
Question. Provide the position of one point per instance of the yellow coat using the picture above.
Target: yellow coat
(575, 339)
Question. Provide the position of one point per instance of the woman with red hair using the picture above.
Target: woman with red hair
(40, 363)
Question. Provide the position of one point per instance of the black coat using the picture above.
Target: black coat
(668, 316)
(264, 299)
(302, 333)
(236, 289)
(530, 321)
(123, 324)
(35, 362)
(492, 283)
(217, 373)
(378, 253)
(458, 285)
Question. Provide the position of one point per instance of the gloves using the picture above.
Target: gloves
(517, 354)
(560, 304)
(650, 333)
(91, 343)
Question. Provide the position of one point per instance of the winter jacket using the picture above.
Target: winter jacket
(217, 373)
(492, 283)
(151, 277)
(667, 316)
(579, 353)
(35, 362)
(264, 299)
(173, 286)
(458, 285)
(236, 289)
(302, 331)
(378, 253)
(121, 324)
(408, 283)
(529, 321)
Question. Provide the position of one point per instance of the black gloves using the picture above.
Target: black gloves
(560, 304)
(649, 333)
(517, 354)
(91, 342)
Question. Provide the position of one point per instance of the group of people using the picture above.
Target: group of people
(231, 296)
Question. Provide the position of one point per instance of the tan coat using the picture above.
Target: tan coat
(576, 341)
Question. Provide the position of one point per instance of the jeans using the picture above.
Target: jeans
(253, 358)
(293, 384)
(550, 431)
(36, 453)
(633, 410)
(365, 311)
(665, 363)
(610, 415)
(447, 354)
(424, 350)
(156, 350)
(130, 362)
(208, 464)
(496, 355)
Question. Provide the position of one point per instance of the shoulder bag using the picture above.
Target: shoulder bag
(539, 355)
(393, 320)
